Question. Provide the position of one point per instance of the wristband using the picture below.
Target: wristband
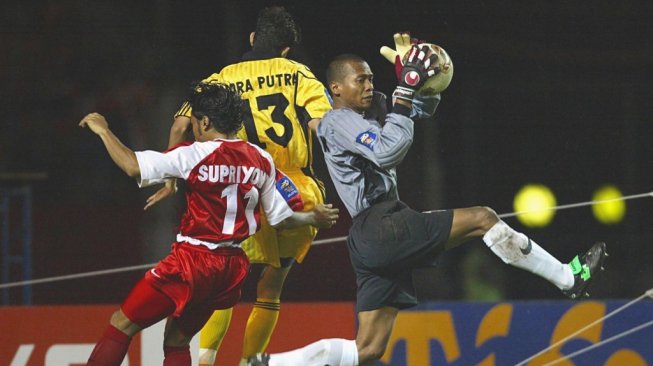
(403, 93)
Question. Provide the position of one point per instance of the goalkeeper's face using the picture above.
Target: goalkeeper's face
(356, 87)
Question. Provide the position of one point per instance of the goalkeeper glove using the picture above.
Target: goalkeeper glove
(415, 72)
(403, 42)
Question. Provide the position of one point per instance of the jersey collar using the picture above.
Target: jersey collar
(259, 55)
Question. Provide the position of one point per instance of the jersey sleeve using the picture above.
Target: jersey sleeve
(424, 106)
(288, 190)
(184, 111)
(177, 162)
(274, 205)
(386, 146)
(311, 95)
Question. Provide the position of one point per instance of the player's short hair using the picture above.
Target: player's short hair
(222, 105)
(336, 70)
(275, 30)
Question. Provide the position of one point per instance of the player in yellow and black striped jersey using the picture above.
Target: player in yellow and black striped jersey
(283, 103)
(280, 98)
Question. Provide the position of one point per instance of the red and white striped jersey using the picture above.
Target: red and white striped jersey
(227, 181)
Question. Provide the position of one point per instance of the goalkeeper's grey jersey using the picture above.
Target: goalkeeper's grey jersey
(361, 155)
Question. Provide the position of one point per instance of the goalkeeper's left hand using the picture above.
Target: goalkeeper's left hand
(415, 72)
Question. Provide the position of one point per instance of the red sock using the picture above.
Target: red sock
(111, 349)
(176, 356)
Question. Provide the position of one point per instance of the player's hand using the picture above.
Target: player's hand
(95, 122)
(415, 72)
(167, 190)
(403, 42)
(325, 216)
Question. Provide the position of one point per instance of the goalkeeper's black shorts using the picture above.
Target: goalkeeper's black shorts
(386, 242)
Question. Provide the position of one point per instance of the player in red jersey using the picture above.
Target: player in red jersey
(228, 180)
(283, 102)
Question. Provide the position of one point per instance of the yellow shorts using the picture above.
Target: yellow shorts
(269, 244)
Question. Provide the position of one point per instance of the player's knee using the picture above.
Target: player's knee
(486, 218)
(120, 321)
(370, 352)
(270, 283)
(174, 337)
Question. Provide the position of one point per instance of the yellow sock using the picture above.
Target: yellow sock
(212, 334)
(260, 326)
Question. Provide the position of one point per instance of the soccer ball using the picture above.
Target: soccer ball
(440, 81)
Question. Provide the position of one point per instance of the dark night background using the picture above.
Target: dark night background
(553, 92)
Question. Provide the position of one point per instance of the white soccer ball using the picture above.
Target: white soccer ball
(440, 81)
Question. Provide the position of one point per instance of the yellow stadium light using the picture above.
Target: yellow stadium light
(534, 203)
(608, 208)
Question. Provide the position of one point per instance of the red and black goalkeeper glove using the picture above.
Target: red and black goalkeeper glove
(415, 72)
(403, 42)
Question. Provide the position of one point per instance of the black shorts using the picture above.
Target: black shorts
(386, 243)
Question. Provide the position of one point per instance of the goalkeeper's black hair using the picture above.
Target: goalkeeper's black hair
(222, 105)
(275, 30)
(336, 69)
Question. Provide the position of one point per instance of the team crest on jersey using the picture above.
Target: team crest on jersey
(367, 139)
(287, 188)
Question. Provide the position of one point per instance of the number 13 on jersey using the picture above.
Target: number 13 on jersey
(278, 103)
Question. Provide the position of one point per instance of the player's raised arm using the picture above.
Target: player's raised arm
(178, 130)
(123, 156)
(179, 127)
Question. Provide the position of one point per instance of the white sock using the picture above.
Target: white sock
(207, 356)
(332, 352)
(518, 250)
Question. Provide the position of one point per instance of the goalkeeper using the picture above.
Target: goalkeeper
(387, 239)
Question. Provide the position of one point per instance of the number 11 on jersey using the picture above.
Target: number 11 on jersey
(231, 213)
